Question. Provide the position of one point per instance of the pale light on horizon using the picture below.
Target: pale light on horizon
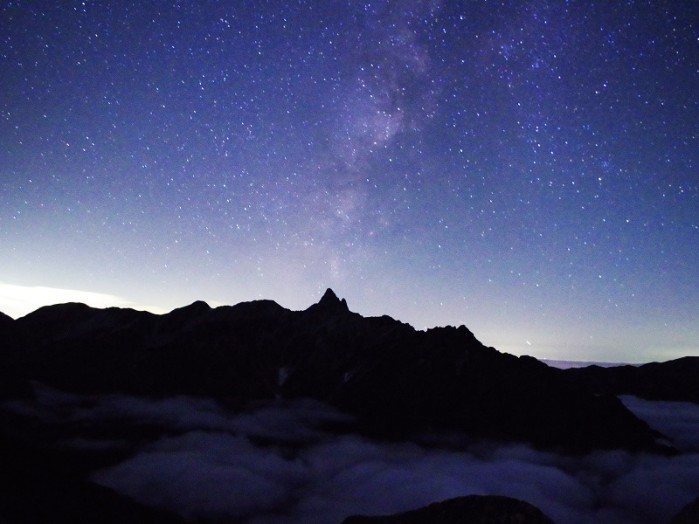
(18, 301)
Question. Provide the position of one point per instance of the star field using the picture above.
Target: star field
(529, 169)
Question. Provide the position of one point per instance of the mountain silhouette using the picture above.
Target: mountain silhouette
(5, 320)
(396, 381)
(675, 380)
(330, 303)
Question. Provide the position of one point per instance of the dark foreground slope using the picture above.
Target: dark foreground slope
(394, 379)
(473, 509)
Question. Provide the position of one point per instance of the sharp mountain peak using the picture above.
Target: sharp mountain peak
(330, 302)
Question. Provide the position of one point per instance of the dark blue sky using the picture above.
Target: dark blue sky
(529, 169)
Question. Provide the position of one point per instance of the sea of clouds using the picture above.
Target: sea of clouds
(286, 462)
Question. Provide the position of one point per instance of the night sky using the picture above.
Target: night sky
(528, 169)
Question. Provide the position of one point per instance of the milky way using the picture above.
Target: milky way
(528, 169)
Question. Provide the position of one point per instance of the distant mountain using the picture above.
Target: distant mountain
(674, 380)
(567, 364)
(397, 381)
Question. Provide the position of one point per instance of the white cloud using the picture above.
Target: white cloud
(679, 421)
(17, 301)
(223, 475)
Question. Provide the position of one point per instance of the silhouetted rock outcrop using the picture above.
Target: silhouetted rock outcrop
(329, 304)
(12, 376)
(5, 320)
(394, 379)
(7, 333)
(672, 380)
(473, 509)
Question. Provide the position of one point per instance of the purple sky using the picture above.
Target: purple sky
(528, 169)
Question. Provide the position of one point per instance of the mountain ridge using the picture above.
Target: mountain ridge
(674, 380)
(395, 379)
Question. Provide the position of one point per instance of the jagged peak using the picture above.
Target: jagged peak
(329, 297)
(330, 302)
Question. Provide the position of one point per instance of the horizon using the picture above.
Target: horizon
(9, 294)
(529, 171)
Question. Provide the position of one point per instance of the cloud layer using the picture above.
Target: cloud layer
(283, 463)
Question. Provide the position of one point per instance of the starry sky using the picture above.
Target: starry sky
(527, 168)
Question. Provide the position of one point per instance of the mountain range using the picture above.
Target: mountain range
(394, 379)
(439, 387)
